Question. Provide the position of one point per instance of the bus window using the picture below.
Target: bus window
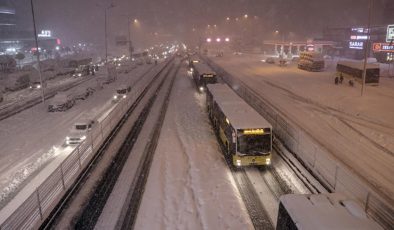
(253, 144)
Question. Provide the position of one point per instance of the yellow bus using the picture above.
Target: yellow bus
(245, 135)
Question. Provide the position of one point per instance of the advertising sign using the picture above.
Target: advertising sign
(358, 45)
(390, 33)
(383, 47)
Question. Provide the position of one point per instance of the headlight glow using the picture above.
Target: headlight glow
(115, 97)
(38, 86)
(268, 161)
(201, 89)
(124, 96)
(238, 162)
(83, 137)
(79, 75)
(67, 138)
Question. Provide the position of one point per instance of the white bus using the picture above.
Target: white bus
(321, 211)
(245, 135)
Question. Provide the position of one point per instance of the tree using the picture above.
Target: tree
(19, 56)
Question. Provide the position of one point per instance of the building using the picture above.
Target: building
(351, 41)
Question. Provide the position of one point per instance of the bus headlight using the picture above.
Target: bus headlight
(268, 161)
(238, 162)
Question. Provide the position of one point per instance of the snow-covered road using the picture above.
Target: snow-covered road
(358, 131)
(189, 184)
(31, 139)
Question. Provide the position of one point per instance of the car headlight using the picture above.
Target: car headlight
(238, 162)
(124, 96)
(31, 87)
(83, 137)
(38, 86)
(201, 89)
(67, 142)
(268, 161)
(115, 97)
(68, 138)
(79, 75)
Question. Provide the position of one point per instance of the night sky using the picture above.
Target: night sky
(83, 20)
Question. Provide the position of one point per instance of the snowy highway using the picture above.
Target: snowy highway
(39, 136)
(357, 131)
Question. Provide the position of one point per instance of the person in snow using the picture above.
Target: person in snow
(340, 78)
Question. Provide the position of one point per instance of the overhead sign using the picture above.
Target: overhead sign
(45, 34)
(356, 45)
(390, 33)
(360, 30)
(383, 47)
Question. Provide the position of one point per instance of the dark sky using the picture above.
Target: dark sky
(83, 20)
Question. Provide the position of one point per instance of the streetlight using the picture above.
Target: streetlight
(227, 39)
(367, 46)
(37, 51)
(218, 39)
(209, 39)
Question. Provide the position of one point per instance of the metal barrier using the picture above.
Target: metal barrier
(36, 208)
(334, 175)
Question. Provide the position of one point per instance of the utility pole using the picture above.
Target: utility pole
(130, 44)
(366, 51)
(37, 51)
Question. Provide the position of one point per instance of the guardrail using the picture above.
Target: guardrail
(37, 207)
(315, 157)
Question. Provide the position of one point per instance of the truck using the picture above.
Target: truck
(79, 131)
(62, 101)
(311, 61)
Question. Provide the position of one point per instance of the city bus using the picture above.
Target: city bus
(245, 135)
(354, 71)
(321, 211)
(203, 75)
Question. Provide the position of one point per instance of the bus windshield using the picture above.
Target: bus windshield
(254, 144)
(121, 91)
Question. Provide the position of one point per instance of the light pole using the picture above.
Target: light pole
(37, 51)
(105, 31)
(367, 46)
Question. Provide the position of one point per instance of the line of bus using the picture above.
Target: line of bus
(322, 211)
(203, 75)
(245, 135)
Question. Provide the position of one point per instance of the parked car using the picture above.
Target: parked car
(270, 60)
(62, 101)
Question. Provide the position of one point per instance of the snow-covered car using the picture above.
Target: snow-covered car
(121, 93)
(82, 93)
(270, 60)
(61, 102)
(37, 85)
(79, 131)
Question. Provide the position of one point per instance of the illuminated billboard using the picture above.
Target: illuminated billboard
(390, 33)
